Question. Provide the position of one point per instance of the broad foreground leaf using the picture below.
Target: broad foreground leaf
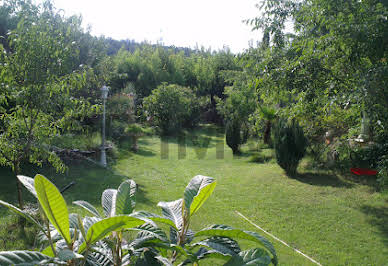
(150, 231)
(108, 200)
(222, 245)
(226, 231)
(67, 254)
(48, 251)
(54, 205)
(164, 261)
(102, 228)
(198, 191)
(24, 257)
(125, 198)
(21, 213)
(173, 211)
(87, 206)
(154, 218)
(29, 183)
(255, 256)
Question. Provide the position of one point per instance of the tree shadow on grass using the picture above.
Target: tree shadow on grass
(322, 179)
(125, 149)
(378, 217)
(90, 181)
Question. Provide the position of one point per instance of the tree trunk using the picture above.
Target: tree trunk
(21, 221)
(267, 133)
(18, 185)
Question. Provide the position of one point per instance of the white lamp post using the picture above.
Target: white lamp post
(104, 91)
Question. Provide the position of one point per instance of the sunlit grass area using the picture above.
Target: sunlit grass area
(333, 219)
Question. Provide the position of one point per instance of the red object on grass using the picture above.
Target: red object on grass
(363, 171)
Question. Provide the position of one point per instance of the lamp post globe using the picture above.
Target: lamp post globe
(104, 95)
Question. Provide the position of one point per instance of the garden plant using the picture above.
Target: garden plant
(68, 239)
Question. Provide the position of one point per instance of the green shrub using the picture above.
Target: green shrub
(259, 157)
(236, 134)
(120, 112)
(87, 142)
(121, 107)
(382, 177)
(100, 238)
(171, 107)
(136, 131)
(290, 145)
(116, 129)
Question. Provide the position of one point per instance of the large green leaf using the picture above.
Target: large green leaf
(226, 231)
(67, 254)
(28, 182)
(48, 251)
(102, 228)
(87, 206)
(197, 192)
(173, 211)
(164, 261)
(257, 256)
(222, 245)
(154, 218)
(54, 206)
(25, 258)
(150, 231)
(125, 198)
(108, 199)
(21, 213)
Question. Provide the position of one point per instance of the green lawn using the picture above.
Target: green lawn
(333, 219)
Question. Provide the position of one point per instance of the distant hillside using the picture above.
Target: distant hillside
(113, 46)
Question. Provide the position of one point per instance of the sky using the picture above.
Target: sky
(185, 23)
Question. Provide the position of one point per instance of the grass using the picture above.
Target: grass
(334, 219)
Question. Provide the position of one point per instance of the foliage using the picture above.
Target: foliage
(346, 202)
(266, 115)
(236, 135)
(260, 157)
(121, 107)
(100, 241)
(67, 235)
(240, 98)
(136, 131)
(170, 107)
(329, 71)
(40, 81)
(290, 145)
(383, 172)
(147, 67)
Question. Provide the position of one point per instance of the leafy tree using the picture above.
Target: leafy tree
(331, 70)
(170, 107)
(269, 115)
(38, 85)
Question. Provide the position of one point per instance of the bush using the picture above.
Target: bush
(120, 112)
(171, 107)
(290, 145)
(259, 157)
(100, 238)
(121, 107)
(116, 129)
(236, 134)
(136, 131)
